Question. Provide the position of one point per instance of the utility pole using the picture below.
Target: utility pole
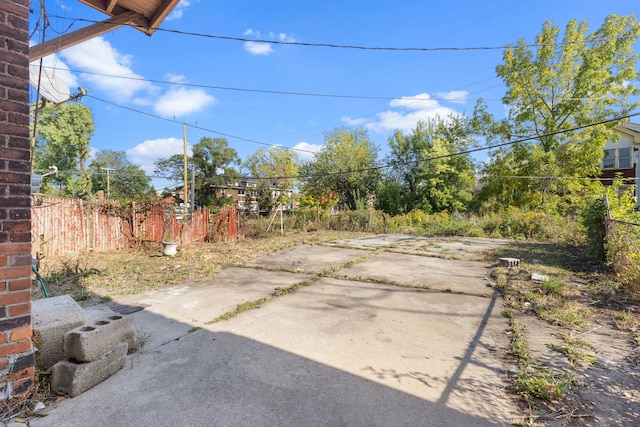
(185, 193)
(193, 188)
(108, 181)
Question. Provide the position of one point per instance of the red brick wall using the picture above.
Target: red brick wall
(16, 353)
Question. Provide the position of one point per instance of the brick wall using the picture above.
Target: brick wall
(16, 353)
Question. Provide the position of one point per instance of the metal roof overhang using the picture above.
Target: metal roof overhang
(144, 15)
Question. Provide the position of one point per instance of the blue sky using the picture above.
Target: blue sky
(169, 77)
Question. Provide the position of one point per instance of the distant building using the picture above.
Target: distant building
(621, 158)
(245, 193)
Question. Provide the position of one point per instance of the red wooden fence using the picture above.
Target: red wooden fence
(60, 225)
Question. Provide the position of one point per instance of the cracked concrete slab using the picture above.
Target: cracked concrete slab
(433, 273)
(202, 301)
(463, 248)
(308, 259)
(438, 347)
(335, 352)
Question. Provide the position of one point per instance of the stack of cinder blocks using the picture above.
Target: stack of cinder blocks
(94, 352)
(91, 351)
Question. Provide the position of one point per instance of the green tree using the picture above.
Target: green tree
(557, 93)
(346, 165)
(213, 161)
(275, 170)
(120, 179)
(171, 168)
(427, 172)
(63, 134)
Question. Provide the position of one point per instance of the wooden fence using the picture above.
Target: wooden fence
(61, 225)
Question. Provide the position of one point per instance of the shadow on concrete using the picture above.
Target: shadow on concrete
(214, 378)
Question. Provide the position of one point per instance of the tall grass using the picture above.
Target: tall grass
(511, 223)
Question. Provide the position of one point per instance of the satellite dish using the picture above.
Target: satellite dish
(52, 87)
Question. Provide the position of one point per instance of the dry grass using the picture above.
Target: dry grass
(101, 276)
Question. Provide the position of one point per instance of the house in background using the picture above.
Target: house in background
(244, 193)
(621, 158)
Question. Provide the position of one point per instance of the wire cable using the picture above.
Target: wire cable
(346, 46)
(275, 92)
(195, 126)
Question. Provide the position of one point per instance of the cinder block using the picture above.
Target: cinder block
(98, 311)
(509, 262)
(93, 340)
(52, 318)
(72, 378)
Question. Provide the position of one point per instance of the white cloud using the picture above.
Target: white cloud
(182, 101)
(98, 56)
(421, 101)
(176, 78)
(456, 96)
(256, 48)
(284, 37)
(308, 150)
(261, 48)
(354, 122)
(147, 152)
(178, 11)
(406, 112)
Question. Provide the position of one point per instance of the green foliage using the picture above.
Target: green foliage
(541, 384)
(123, 181)
(390, 196)
(552, 89)
(622, 242)
(275, 169)
(63, 134)
(512, 223)
(592, 218)
(427, 173)
(345, 166)
(213, 160)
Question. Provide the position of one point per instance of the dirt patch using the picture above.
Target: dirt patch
(578, 339)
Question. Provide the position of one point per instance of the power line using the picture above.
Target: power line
(444, 156)
(380, 167)
(464, 152)
(194, 126)
(346, 46)
(275, 92)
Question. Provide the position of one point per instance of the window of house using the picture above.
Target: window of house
(608, 161)
(624, 158)
(240, 192)
(619, 158)
(223, 192)
(254, 193)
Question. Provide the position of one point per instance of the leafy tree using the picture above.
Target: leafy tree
(559, 95)
(428, 173)
(275, 170)
(123, 181)
(171, 168)
(213, 160)
(63, 134)
(346, 165)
